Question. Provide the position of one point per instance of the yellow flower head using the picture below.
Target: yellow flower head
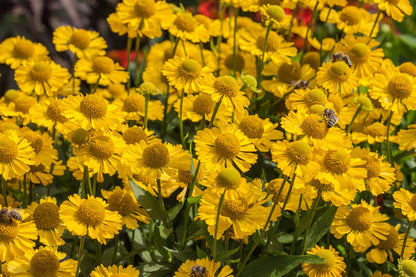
(203, 267)
(333, 264)
(115, 270)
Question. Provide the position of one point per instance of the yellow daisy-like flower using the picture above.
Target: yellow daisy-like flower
(337, 77)
(362, 223)
(16, 155)
(275, 14)
(101, 70)
(83, 43)
(41, 77)
(371, 133)
(407, 268)
(115, 270)
(44, 261)
(90, 217)
(337, 194)
(303, 99)
(332, 266)
(226, 146)
(197, 107)
(133, 107)
(135, 134)
(44, 174)
(186, 27)
(396, 9)
(48, 114)
(15, 50)
(123, 202)
(406, 202)
(327, 44)
(91, 111)
(118, 27)
(406, 138)
(203, 267)
(42, 144)
(378, 273)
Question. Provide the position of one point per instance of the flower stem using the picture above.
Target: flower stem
(181, 120)
(86, 182)
(409, 227)
(81, 251)
(146, 109)
(389, 154)
(136, 68)
(201, 49)
(353, 118)
(175, 46)
(308, 29)
(214, 113)
(162, 204)
(116, 240)
(217, 219)
(4, 188)
(289, 36)
(260, 68)
(323, 33)
(375, 23)
(234, 42)
(129, 43)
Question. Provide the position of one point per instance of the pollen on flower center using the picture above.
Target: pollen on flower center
(134, 103)
(272, 44)
(185, 22)
(317, 185)
(350, 15)
(400, 86)
(313, 59)
(55, 113)
(134, 135)
(121, 201)
(373, 167)
(300, 152)
(44, 264)
(24, 103)
(156, 155)
(228, 178)
(41, 71)
(8, 231)
(103, 65)
(203, 104)
(317, 109)
(102, 147)
(239, 62)
(409, 68)
(337, 161)
(80, 39)
(24, 49)
(145, 8)
(315, 126)
(234, 209)
(80, 136)
(276, 13)
(315, 96)
(391, 241)
(190, 69)
(340, 70)
(91, 212)
(412, 202)
(93, 106)
(359, 219)
(35, 140)
(361, 51)
(227, 145)
(252, 126)
(8, 150)
(187, 177)
(329, 258)
(289, 72)
(116, 90)
(227, 86)
(46, 216)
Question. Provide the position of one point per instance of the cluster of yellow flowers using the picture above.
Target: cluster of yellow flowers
(211, 112)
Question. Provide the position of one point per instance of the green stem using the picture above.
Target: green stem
(323, 33)
(129, 43)
(352, 120)
(234, 43)
(409, 227)
(162, 204)
(175, 46)
(296, 235)
(289, 36)
(217, 219)
(98, 251)
(24, 191)
(74, 61)
(260, 68)
(86, 181)
(375, 24)
(94, 184)
(136, 69)
(181, 120)
(389, 154)
(146, 109)
(219, 39)
(81, 251)
(96, 84)
(4, 188)
(116, 240)
(165, 113)
(308, 29)
(214, 113)
(201, 49)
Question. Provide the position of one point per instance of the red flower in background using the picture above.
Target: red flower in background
(209, 8)
(120, 56)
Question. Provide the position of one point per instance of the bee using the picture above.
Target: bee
(339, 56)
(198, 271)
(9, 214)
(331, 117)
(299, 84)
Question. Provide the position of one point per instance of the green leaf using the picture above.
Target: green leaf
(320, 227)
(201, 253)
(227, 253)
(193, 200)
(409, 40)
(172, 213)
(157, 269)
(160, 242)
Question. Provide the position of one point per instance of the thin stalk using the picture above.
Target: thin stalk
(323, 33)
(129, 43)
(308, 29)
(201, 49)
(96, 84)
(289, 36)
(94, 184)
(4, 188)
(374, 25)
(219, 38)
(295, 235)
(24, 191)
(146, 109)
(286, 199)
(234, 43)
(389, 154)
(217, 219)
(181, 119)
(184, 48)
(406, 236)
(74, 61)
(175, 46)
(214, 113)
(86, 182)
(260, 68)
(202, 125)
(81, 251)
(116, 241)
(162, 204)
(165, 113)
(136, 69)
(352, 120)
(98, 251)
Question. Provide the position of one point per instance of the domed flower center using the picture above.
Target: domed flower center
(185, 176)
(359, 219)
(93, 106)
(203, 104)
(134, 135)
(337, 161)
(24, 49)
(234, 209)
(227, 145)
(91, 212)
(80, 136)
(227, 86)
(41, 71)
(11, 95)
(400, 87)
(365, 103)
(252, 126)
(350, 15)
(361, 51)
(228, 178)
(103, 65)
(35, 140)
(185, 22)
(55, 113)
(116, 90)
(274, 187)
(8, 150)
(373, 167)
(299, 152)
(37, 168)
(134, 103)
(289, 72)
(412, 202)
(145, 8)
(24, 103)
(8, 231)
(317, 109)
(190, 69)
(46, 216)
(329, 258)
(44, 263)
(276, 12)
(272, 44)
(239, 62)
(102, 147)
(340, 71)
(314, 126)
(120, 275)
(204, 20)
(313, 59)
(409, 68)
(316, 96)
(376, 129)
(156, 155)
(391, 241)
(80, 39)
(121, 201)
(409, 268)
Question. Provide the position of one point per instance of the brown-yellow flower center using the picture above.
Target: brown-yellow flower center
(227, 86)
(41, 71)
(80, 39)
(315, 96)
(234, 209)
(373, 167)
(8, 150)
(376, 129)
(289, 72)
(412, 202)
(239, 62)
(313, 59)
(44, 263)
(24, 103)
(203, 104)
(55, 113)
(24, 49)
(145, 8)
(9, 231)
(317, 109)
(359, 219)
(317, 185)
(37, 168)
(103, 65)
(102, 147)
(276, 12)
(409, 268)
(329, 258)
(80, 136)
(121, 201)
(361, 51)
(400, 86)
(340, 71)
(228, 178)
(91, 212)
(134, 103)
(299, 152)
(409, 68)
(156, 155)
(35, 140)
(272, 44)
(391, 241)
(11, 95)
(46, 216)
(252, 126)
(116, 90)
(185, 22)
(227, 145)
(314, 126)
(350, 15)
(337, 161)
(190, 69)
(134, 135)
(93, 106)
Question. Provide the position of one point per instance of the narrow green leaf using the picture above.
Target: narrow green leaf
(227, 253)
(193, 200)
(320, 227)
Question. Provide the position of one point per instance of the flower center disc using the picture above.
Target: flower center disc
(185, 22)
(365, 103)
(80, 39)
(145, 8)
(41, 71)
(103, 65)
(373, 167)
(313, 59)
(93, 106)
(392, 239)
(314, 126)
(299, 152)
(350, 15)
(315, 97)
(121, 202)
(134, 103)
(270, 2)
(275, 12)
(44, 264)
(252, 126)
(199, 271)
(239, 62)
(46, 216)
(24, 49)
(35, 140)
(340, 70)
(134, 135)
(203, 104)
(91, 212)
(116, 90)
(228, 178)
(337, 161)
(80, 136)
(24, 103)
(8, 231)
(156, 155)
(412, 202)
(102, 147)
(11, 95)
(361, 50)
(234, 209)
(273, 42)
(8, 150)
(400, 86)
(329, 258)
(359, 219)
(227, 86)
(409, 68)
(409, 268)
(120, 275)
(227, 145)
(289, 72)
(393, 2)
(54, 112)
(190, 69)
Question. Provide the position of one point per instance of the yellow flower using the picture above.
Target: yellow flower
(406, 138)
(337, 76)
(275, 14)
(407, 268)
(186, 27)
(48, 113)
(135, 134)
(44, 174)
(333, 264)
(396, 9)
(90, 217)
(133, 107)
(83, 43)
(42, 144)
(303, 99)
(378, 273)
(406, 202)
(115, 270)
(118, 27)
(203, 267)
(337, 194)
